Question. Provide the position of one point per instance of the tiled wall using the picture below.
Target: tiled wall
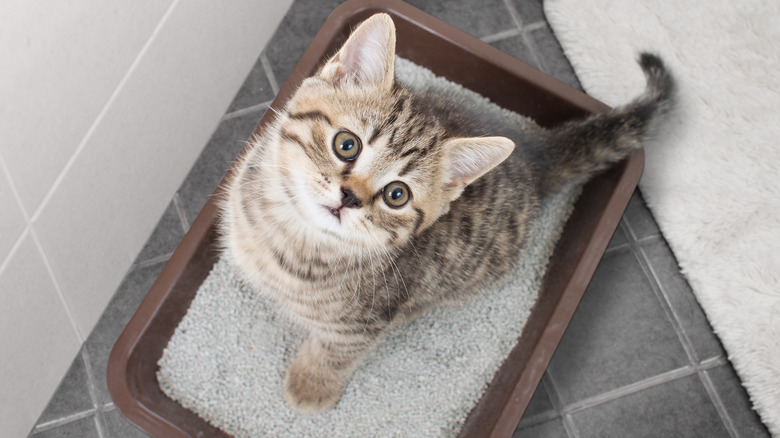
(104, 107)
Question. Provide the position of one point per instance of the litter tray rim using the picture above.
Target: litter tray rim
(577, 253)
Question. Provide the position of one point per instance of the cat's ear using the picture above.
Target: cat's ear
(366, 59)
(466, 159)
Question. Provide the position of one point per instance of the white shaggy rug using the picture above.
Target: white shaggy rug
(713, 181)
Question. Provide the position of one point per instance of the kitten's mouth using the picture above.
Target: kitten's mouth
(334, 211)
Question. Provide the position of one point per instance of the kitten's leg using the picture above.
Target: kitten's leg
(317, 376)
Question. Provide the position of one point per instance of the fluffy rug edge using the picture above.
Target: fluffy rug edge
(710, 181)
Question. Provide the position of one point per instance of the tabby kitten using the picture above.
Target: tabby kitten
(365, 203)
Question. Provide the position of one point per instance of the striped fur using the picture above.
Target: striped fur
(317, 234)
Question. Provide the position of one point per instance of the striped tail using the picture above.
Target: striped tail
(578, 149)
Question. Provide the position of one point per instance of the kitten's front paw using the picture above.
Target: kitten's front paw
(309, 390)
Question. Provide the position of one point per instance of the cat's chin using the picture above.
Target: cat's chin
(340, 226)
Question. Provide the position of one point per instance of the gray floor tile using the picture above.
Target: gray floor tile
(682, 301)
(214, 161)
(294, 34)
(118, 427)
(540, 404)
(619, 334)
(531, 11)
(72, 396)
(737, 403)
(255, 90)
(619, 238)
(485, 18)
(639, 218)
(83, 428)
(551, 57)
(680, 408)
(517, 47)
(165, 237)
(114, 319)
(549, 429)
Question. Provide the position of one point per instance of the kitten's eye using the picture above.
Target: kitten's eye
(396, 194)
(346, 146)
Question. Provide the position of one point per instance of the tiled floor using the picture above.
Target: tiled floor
(638, 360)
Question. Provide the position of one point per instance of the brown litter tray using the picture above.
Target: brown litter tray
(463, 59)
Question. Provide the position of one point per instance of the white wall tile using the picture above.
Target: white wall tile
(12, 221)
(106, 206)
(61, 62)
(37, 340)
(66, 60)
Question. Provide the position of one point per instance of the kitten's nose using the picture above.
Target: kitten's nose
(349, 199)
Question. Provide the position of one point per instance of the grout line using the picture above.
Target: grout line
(653, 238)
(14, 248)
(525, 34)
(568, 425)
(552, 391)
(713, 362)
(57, 288)
(623, 245)
(248, 110)
(514, 14)
(99, 425)
(26, 218)
(93, 392)
(666, 301)
(151, 262)
(62, 421)
(642, 385)
(501, 35)
(12, 186)
(538, 419)
(616, 248)
(557, 402)
(269, 73)
(528, 41)
(185, 224)
(657, 235)
(661, 294)
(728, 423)
(28, 229)
(629, 389)
(627, 229)
(535, 26)
(102, 113)
(720, 407)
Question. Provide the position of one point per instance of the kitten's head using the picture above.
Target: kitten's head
(367, 164)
